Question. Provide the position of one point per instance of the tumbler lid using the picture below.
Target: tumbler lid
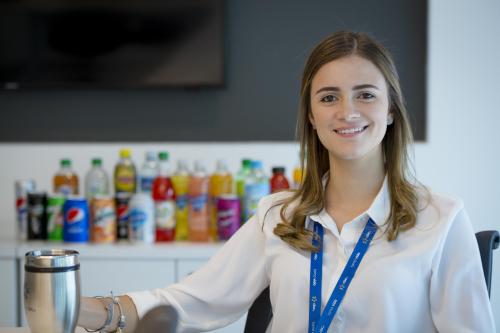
(52, 258)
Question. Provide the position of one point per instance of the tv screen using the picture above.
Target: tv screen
(111, 44)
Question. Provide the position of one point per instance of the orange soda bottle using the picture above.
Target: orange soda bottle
(198, 217)
(221, 183)
(66, 180)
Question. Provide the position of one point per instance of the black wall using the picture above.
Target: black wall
(267, 43)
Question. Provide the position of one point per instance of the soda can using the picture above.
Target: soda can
(141, 219)
(228, 215)
(22, 189)
(55, 219)
(122, 201)
(103, 219)
(76, 220)
(37, 215)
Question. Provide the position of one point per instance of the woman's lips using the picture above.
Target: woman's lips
(350, 132)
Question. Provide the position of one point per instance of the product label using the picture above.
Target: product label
(253, 193)
(199, 202)
(181, 201)
(146, 183)
(65, 189)
(55, 219)
(165, 214)
(125, 180)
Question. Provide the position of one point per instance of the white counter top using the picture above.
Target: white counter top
(121, 250)
(27, 330)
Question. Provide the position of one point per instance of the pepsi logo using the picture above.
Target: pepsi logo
(74, 215)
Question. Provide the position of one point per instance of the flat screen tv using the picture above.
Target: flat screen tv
(111, 44)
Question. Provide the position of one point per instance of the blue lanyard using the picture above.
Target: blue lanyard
(320, 323)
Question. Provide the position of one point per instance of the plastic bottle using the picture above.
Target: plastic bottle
(125, 173)
(180, 181)
(148, 172)
(221, 182)
(198, 217)
(278, 181)
(141, 219)
(66, 180)
(297, 177)
(164, 198)
(241, 178)
(256, 187)
(96, 180)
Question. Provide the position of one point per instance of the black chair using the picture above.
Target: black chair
(260, 313)
(487, 241)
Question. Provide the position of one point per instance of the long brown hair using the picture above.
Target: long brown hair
(314, 156)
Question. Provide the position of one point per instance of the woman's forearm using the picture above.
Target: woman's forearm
(93, 313)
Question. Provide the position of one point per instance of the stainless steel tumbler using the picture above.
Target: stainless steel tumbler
(52, 290)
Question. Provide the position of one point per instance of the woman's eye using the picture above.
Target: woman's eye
(366, 96)
(328, 99)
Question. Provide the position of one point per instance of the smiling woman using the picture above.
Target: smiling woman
(360, 244)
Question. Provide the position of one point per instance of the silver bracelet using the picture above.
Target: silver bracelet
(121, 320)
(110, 309)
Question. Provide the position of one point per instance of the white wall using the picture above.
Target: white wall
(461, 155)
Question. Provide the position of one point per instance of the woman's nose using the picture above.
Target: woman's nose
(349, 111)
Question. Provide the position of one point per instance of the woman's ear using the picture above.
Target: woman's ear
(311, 120)
(390, 118)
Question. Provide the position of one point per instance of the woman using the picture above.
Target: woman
(410, 256)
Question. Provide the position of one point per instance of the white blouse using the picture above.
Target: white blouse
(429, 279)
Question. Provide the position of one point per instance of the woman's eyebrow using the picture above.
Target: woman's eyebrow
(364, 86)
(357, 87)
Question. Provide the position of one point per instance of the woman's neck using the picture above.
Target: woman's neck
(352, 186)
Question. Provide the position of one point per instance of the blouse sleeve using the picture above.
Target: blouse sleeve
(222, 290)
(458, 294)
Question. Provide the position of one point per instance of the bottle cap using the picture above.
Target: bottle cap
(246, 162)
(278, 170)
(256, 165)
(150, 156)
(221, 165)
(125, 153)
(66, 162)
(96, 162)
(163, 156)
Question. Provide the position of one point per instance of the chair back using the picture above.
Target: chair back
(487, 241)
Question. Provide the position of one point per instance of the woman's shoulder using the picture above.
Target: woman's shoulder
(437, 207)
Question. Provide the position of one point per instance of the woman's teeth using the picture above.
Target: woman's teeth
(350, 130)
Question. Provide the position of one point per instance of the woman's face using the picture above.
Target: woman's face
(350, 108)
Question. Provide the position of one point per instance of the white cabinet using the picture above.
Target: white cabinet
(8, 288)
(100, 276)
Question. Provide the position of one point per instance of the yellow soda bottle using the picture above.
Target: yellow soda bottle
(221, 182)
(180, 181)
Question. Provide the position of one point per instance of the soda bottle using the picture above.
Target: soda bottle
(141, 219)
(55, 217)
(198, 218)
(221, 182)
(23, 187)
(164, 198)
(148, 172)
(278, 180)
(66, 180)
(256, 187)
(241, 178)
(180, 181)
(297, 177)
(125, 173)
(96, 180)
